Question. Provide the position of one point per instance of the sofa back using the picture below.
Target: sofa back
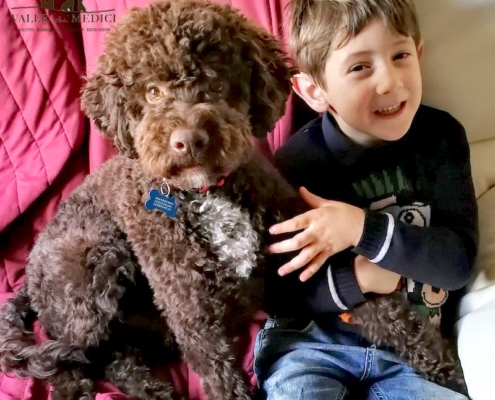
(458, 70)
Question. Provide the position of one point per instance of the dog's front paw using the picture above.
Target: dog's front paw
(63, 395)
(243, 395)
(242, 391)
(232, 387)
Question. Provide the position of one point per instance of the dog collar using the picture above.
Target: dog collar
(161, 200)
(219, 183)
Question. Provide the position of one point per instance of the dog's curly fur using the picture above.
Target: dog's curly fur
(393, 322)
(181, 88)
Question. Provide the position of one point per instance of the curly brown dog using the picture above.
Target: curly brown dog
(163, 249)
(173, 226)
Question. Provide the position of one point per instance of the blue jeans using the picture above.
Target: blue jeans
(311, 364)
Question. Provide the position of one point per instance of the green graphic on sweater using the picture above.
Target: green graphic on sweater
(392, 193)
(383, 183)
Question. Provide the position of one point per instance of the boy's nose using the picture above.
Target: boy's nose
(389, 80)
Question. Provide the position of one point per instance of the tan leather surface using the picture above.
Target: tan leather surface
(459, 61)
(483, 164)
(485, 264)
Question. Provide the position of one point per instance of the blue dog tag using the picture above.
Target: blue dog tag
(160, 202)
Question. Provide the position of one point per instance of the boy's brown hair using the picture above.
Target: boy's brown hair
(318, 26)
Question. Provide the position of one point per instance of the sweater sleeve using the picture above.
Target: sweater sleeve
(441, 255)
(334, 289)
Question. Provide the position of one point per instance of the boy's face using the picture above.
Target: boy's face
(373, 84)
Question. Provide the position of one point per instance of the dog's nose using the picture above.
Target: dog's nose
(189, 141)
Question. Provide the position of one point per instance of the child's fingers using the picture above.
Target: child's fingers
(311, 199)
(294, 224)
(295, 243)
(299, 261)
(314, 266)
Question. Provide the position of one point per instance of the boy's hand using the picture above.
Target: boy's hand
(374, 279)
(328, 229)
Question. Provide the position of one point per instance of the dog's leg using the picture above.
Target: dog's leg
(210, 355)
(135, 379)
(72, 385)
(71, 372)
(140, 341)
(204, 344)
(113, 268)
(79, 270)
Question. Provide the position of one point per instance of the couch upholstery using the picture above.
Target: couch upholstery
(458, 66)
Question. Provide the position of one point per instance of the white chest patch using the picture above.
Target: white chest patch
(229, 233)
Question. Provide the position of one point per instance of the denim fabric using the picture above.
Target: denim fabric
(311, 364)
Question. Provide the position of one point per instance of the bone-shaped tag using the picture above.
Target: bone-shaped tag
(165, 204)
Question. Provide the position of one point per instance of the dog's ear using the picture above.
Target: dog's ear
(270, 80)
(103, 100)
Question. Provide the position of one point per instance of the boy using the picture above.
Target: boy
(402, 212)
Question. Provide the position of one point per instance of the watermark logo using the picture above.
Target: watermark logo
(72, 14)
(68, 6)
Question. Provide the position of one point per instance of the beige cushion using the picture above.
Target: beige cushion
(476, 326)
(459, 61)
(483, 168)
(483, 165)
(486, 257)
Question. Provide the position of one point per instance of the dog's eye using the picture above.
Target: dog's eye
(216, 85)
(155, 93)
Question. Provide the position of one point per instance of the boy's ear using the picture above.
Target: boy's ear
(421, 47)
(312, 94)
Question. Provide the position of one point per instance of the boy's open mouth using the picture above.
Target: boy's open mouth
(391, 111)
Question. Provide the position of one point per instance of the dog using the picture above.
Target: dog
(163, 250)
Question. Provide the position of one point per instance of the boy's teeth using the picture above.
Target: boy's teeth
(389, 110)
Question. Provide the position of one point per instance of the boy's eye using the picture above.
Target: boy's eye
(401, 55)
(357, 68)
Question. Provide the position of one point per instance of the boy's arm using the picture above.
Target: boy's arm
(332, 289)
(443, 254)
(338, 286)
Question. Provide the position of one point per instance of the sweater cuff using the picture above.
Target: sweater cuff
(377, 236)
(342, 283)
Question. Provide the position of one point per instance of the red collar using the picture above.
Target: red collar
(219, 183)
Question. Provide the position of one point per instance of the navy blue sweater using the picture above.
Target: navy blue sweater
(421, 214)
